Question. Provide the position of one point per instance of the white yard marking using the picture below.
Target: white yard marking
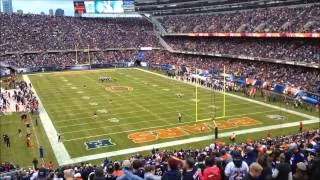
(93, 103)
(85, 97)
(168, 124)
(213, 106)
(59, 149)
(74, 88)
(102, 111)
(114, 120)
(195, 100)
(166, 89)
(79, 92)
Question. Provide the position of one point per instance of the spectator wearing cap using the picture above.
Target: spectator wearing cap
(150, 173)
(301, 172)
(255, 171)
(189, 171)
(172, 172)
(251, 156)
(237, 168)
(282, 170)
(98, 174)
(110, 172)
(296, 156)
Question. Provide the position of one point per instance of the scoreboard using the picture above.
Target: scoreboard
(103, 6)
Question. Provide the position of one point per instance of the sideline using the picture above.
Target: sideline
(180, 142)
(58, 148)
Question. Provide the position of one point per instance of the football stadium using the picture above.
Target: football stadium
(160, 89)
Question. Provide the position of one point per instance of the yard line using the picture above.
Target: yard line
(71, 110)
(180, 142)
(154, 127)
(98, 99)
(167, 112)
(124, 124)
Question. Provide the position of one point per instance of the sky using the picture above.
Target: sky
(38, 6)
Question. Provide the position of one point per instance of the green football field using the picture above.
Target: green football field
(138, 108)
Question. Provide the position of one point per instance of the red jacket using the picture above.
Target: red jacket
(211, 173)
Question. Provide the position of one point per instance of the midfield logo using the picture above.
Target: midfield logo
(99, 144)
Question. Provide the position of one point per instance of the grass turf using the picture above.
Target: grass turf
(140, 102)
(19, 153)
(71, 98)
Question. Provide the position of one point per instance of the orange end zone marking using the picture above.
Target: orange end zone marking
(142, 137)
(184, 130)
(170, 133)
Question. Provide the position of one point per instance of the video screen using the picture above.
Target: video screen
(79, 7)
(102, 7)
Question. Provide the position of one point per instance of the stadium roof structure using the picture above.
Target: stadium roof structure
(176, 7)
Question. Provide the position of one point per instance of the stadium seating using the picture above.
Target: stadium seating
(36, 33)
(300, 153)
(299, 50)
(284, 19)
(307, 78)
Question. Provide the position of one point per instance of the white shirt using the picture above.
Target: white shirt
(234, 173)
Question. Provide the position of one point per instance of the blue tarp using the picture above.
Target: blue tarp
(278, 89)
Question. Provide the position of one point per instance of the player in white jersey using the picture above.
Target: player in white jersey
(237, 169)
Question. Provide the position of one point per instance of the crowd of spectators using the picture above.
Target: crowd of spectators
(21, 99)
(36, 32)
(281, 19)
(295, 76)
(294, 157)
(71, 58)
(298, 50)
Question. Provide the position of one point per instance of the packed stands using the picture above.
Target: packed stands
(296, 156)
(301, 50)
(300, 19)
(35, 33)
(306, 78)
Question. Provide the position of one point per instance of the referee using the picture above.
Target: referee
(179, 117)
(59, 136)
